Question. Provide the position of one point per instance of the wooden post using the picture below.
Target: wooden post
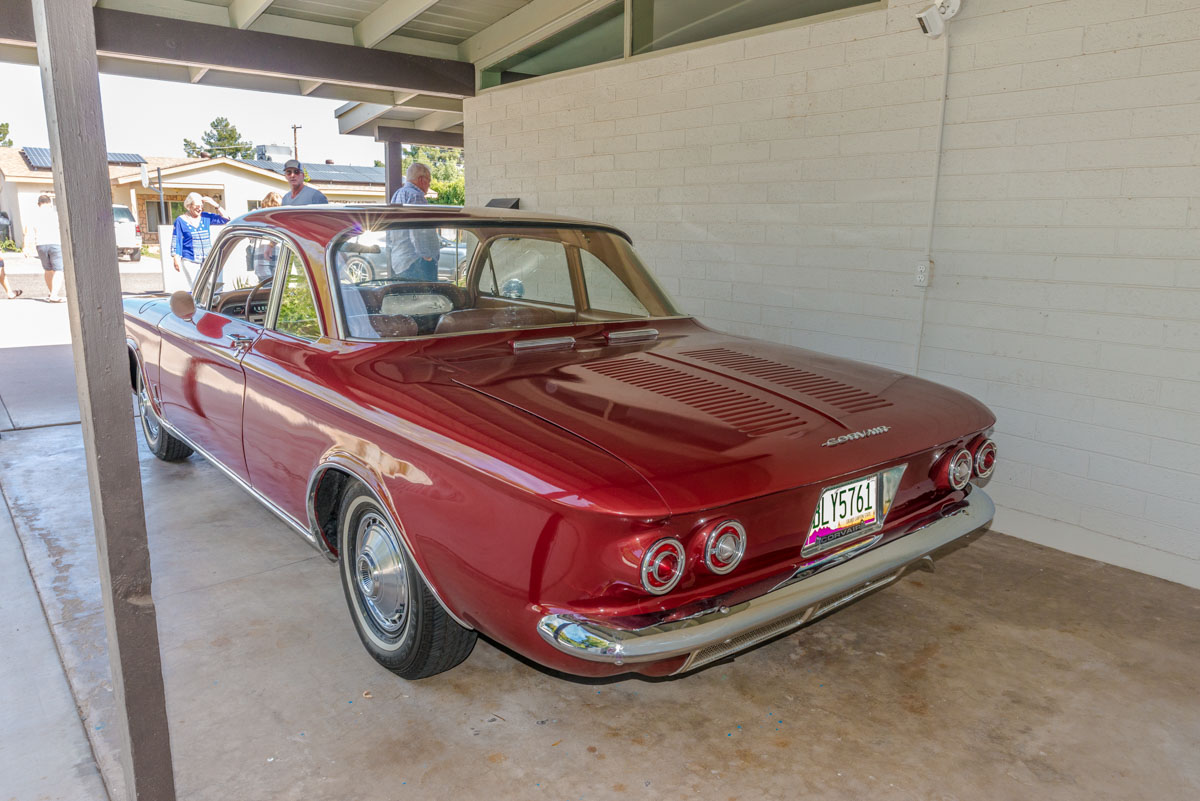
(66, 43)
(393, 158)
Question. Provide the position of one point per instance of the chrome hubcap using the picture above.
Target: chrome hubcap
(148, 418)
(381, 574)
(356, 271)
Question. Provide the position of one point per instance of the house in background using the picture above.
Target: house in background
(237, 184)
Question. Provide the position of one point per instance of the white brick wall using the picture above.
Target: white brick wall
(778, 185)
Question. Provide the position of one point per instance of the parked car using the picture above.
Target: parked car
(577, 469)
(371, 257)
(129, 233)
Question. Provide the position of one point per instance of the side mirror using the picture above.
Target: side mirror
(182, 305)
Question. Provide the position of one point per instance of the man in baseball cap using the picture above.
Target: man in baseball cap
(302, 194)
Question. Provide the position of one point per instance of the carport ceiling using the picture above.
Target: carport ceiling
(402, 65)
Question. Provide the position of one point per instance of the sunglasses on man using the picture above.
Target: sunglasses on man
(291, 171)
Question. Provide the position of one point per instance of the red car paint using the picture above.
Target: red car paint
(531, 482)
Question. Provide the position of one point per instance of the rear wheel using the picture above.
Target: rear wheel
(158, 440)
(398, 619)
(135, 255)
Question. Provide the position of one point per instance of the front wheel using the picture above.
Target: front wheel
(398, 619)
(358, 270)
(158, 439)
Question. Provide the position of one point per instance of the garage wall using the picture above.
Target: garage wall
(779, 186)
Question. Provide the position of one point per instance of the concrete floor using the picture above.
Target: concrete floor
(1014, 671)
(44, 753)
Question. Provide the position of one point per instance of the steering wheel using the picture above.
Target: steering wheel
(250, 297)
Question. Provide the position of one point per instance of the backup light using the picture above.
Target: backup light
(958, 468)
(662, 566)
(725, 546)
(985, 458)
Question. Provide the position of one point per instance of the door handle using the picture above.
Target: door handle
(241, 342)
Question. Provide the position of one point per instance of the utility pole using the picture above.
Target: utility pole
(295, 144)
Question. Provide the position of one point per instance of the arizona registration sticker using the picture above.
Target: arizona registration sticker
(843, 511)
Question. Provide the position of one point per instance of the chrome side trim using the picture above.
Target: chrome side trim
(309, 536)
(777, 611)
(544, 343)
(632, 335)
(324, 467)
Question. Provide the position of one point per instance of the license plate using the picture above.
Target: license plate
(843, 512)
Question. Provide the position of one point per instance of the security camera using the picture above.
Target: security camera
(934, 18)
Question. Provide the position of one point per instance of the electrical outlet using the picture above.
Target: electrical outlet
(924, 273)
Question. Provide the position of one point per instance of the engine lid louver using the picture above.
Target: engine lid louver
(811, 385)
(744, 413)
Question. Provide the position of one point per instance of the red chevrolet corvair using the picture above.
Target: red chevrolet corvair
(519, 434)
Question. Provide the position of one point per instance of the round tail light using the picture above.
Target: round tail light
(662, 566)
(958, 468)
(985, 458)
(725, 546)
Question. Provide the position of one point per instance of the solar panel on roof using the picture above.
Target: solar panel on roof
(337, 173)
(263, 164)
(39, 158)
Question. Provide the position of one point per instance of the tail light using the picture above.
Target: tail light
(137, 229)
(985, 458)
(662, 566)
(724, 546)
(957, 471)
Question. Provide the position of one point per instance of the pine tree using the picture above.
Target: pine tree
(221, 139)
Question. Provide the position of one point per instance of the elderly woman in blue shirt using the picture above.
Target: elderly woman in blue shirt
(191, 239)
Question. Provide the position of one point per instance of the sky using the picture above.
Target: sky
(152, 118)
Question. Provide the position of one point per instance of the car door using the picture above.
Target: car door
(286, 426)
(201, 376)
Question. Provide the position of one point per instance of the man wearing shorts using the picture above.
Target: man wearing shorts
(43, 230)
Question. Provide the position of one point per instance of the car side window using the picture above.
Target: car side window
(605, 291)
(527, 268)
(234, 289)
(297, 309)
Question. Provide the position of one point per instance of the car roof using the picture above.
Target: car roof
(323, 222)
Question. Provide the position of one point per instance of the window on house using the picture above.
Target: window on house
(595, 39)
(659, 24)
(653, 25)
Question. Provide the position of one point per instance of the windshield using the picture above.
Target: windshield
(409, 280)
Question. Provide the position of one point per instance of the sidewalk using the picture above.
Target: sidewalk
(20, 264)
(26, 274)
(44, 751)
(36, 335)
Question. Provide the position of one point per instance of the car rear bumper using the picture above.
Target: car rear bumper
(722, 633)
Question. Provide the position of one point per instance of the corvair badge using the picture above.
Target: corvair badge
(870, 432)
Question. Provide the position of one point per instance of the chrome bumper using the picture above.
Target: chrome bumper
(721, 633)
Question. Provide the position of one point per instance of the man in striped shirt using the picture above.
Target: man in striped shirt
(415, 251)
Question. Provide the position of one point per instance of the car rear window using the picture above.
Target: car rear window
(122, 214)
(404, 280)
